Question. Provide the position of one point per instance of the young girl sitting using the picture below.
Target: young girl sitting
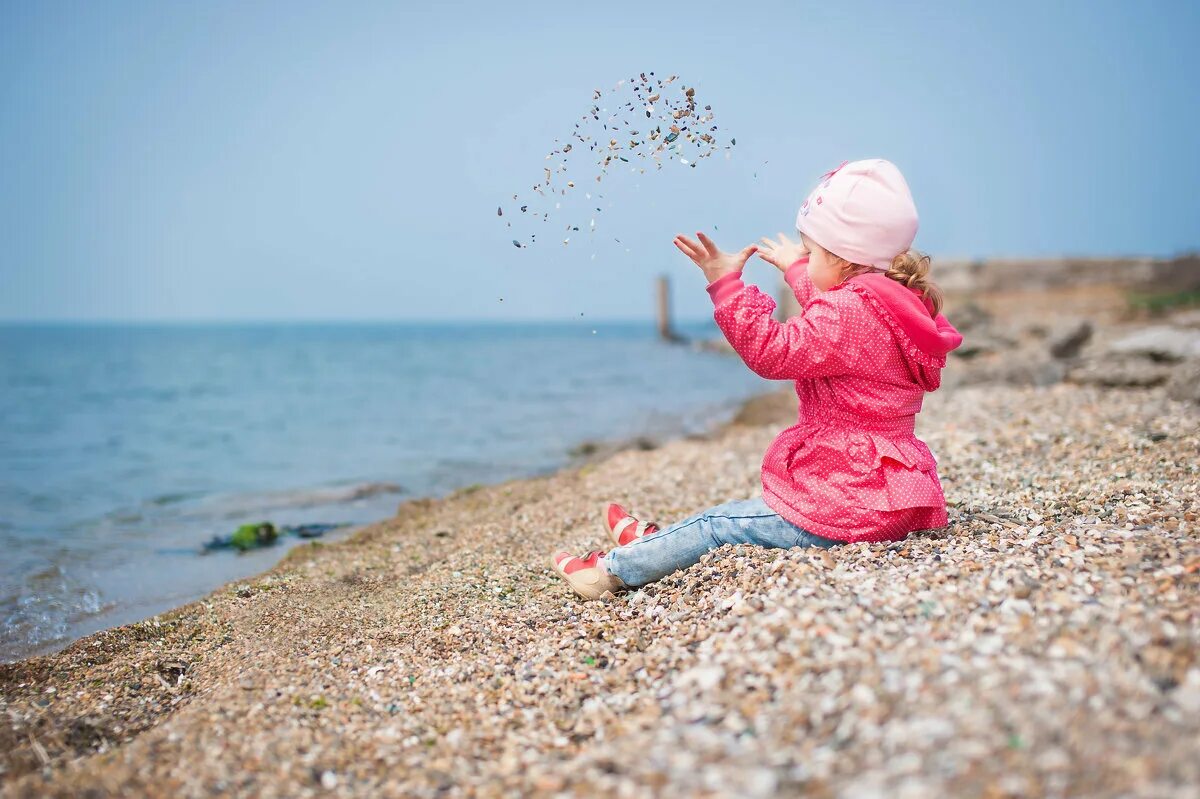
(869, 342)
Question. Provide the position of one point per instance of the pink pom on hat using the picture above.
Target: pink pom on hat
(861, 211)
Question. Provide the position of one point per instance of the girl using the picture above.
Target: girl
(869, 342)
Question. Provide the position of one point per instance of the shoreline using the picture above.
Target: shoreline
(434, 651)
(582, 453)
(140, 611)
(761, 408)
(198, 455)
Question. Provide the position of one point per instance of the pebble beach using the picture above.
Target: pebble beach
(1044, 644)
(326, 335)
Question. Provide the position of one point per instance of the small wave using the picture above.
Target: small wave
(305, 498)
(195, 508)
(171, 499)
(42, 611)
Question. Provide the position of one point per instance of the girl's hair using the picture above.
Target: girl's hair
(910, 268)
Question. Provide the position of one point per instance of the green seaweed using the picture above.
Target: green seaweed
(249, 536)
(264, 534)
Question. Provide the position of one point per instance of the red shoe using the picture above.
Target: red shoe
(623, 528)
(586, 575)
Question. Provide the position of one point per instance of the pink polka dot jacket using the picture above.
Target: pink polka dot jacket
(862, 356)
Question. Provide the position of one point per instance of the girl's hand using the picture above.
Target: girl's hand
(714, 263)
(781, 254)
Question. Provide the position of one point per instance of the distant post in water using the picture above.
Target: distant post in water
(664, 311)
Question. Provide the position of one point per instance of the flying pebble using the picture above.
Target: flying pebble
(677, 127)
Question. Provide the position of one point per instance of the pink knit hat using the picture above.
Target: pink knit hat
(862, 211)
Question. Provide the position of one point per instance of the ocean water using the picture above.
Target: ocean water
(124, 448)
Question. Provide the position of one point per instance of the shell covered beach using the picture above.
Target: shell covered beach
(1044, 644)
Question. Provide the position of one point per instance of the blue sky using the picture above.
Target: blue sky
(225, 160)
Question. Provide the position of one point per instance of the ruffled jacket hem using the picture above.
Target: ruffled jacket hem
(911, 520)
(835, 467)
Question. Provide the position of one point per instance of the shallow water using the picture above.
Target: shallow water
(124, 448)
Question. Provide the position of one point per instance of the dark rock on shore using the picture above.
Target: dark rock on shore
(1068, 342)
(1185, 382)
(971, 317)
(1117, 371)
(982, 342)
(1013, 372)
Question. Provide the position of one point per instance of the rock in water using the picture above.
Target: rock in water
(311, 530)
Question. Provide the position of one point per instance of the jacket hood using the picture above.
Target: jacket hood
(913, 314)
(924, 337)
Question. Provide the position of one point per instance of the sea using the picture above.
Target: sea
(125, 448)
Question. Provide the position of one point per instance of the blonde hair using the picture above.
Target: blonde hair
(910, 268)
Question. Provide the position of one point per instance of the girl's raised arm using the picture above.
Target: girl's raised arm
(813, 344)
(820, 342)
(791, 258)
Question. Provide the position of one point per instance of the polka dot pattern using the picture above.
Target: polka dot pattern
(851, 468)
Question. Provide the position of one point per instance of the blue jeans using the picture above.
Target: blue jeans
(746, 521)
